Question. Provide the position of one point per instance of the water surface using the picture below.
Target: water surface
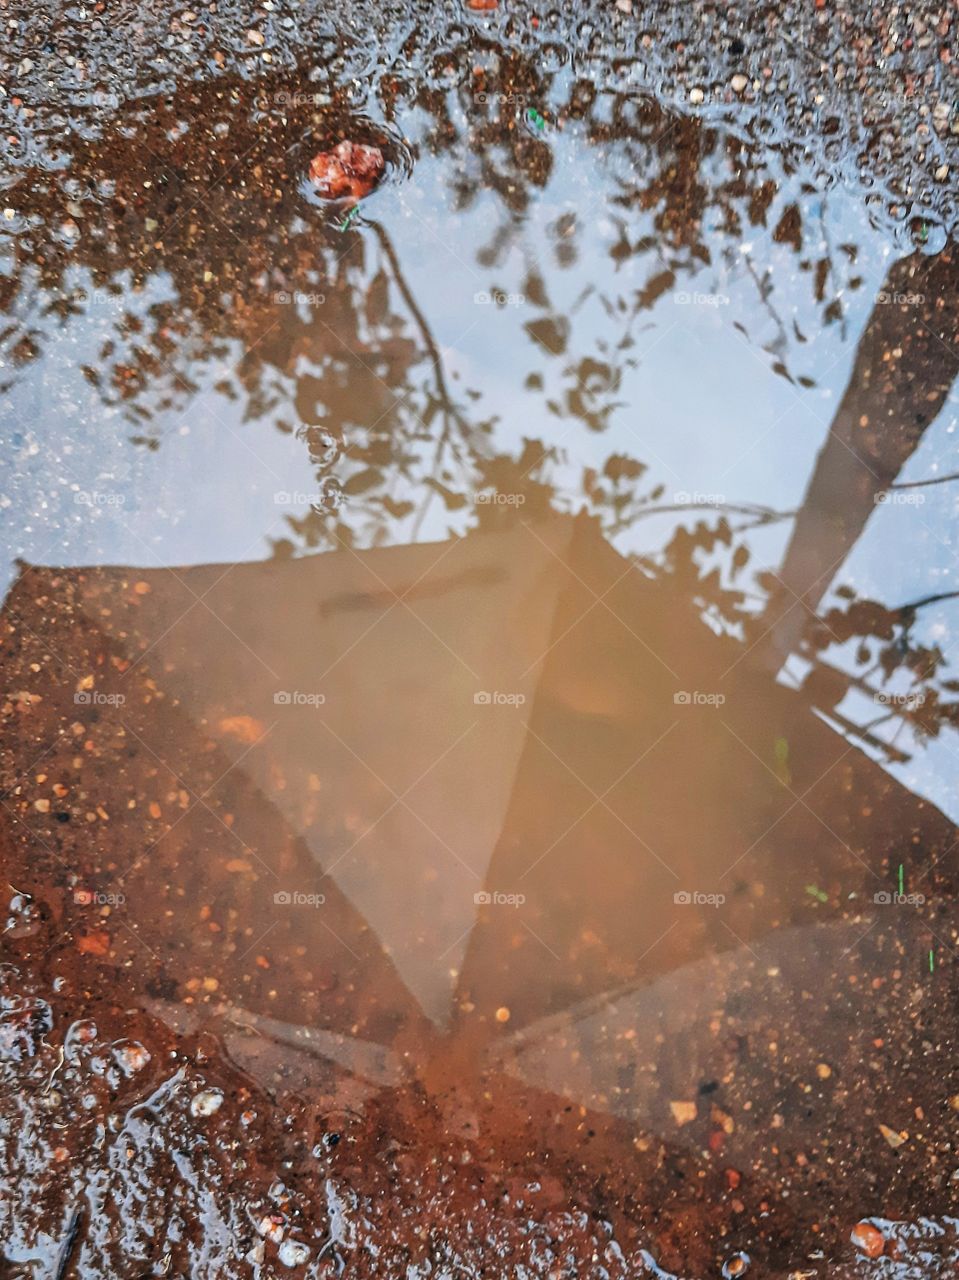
(480, 675)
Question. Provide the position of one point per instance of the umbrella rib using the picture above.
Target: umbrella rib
(598, 599)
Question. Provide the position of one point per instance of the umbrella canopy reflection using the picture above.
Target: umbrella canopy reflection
(466, 789)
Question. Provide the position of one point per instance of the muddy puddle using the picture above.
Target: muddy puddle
(478, 744)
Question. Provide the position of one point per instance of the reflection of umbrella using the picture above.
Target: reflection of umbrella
(424, 736)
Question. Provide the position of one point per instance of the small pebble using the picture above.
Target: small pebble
(683, 1112)
(131, 1057)
(869, 1239)
(207, 1102)
(293, 1253)
(696, 96)
(737, 1265)
(739, 82)
(892, 1137)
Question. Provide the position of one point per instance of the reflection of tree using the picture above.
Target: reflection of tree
(905, 366)
(904, 369)
(183, 204)
(885, 647)
(365, 378)
(217, 216)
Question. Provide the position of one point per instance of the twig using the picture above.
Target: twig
(69, 1243)
(913, 605)
(764, 515)
(921, 484)
(450, 412)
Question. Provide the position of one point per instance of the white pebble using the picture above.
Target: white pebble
(739, 82)
(293, 1253)
(696, 96)
(207, 1102)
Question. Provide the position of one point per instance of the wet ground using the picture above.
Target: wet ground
(479, 703)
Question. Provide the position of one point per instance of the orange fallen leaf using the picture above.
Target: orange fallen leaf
(350, 169)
